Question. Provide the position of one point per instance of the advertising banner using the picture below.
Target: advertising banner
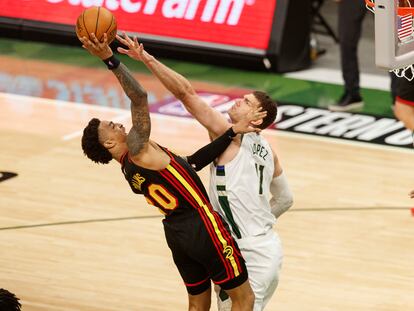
(238, 23)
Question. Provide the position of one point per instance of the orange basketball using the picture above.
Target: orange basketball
(97, 20)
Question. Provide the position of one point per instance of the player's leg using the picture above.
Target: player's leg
(263, 255)
(404, 103)
(200, 302)
(242, 297)
(223, 299)
(193, 273)
(405, 113)
(216, 249)
(273, 247)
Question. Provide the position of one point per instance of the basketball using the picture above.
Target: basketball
(97, 20)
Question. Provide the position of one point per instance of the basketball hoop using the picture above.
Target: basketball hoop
(402, 10)
(405, 14)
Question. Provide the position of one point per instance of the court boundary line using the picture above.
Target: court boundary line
(272, 132)
(74, 222)
(99, 220)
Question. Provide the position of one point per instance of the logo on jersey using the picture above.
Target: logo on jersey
(228, 251)
(137, 181)
(6, 175)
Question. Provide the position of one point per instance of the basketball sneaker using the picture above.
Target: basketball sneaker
(348, 102)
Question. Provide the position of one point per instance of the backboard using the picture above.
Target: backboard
(394, 39)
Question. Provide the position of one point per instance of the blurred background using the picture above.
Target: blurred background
(73, 237)
(262, 50)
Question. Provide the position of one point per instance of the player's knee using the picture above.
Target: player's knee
(199, 302)
(198, 306)
(250, 299)
(405, 114)
(244, 302)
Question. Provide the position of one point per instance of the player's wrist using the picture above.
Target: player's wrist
(232, 131)
(148, 60)
(111, 62)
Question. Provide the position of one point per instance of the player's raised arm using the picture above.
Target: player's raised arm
(138, 136)
(179, 86)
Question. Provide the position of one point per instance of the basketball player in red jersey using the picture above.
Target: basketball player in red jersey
(404, 107)
(404, 103)
(201, 245)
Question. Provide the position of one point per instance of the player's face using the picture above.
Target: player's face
(109, 130)
(242, 106)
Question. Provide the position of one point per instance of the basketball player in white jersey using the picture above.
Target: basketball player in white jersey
(243, 178)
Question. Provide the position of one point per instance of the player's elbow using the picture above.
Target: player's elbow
(288, 203)
(281, 204)
(184, 92)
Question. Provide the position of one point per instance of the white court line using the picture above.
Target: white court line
(126, 113)
(48, 101)
(334, 76)
(338, 141)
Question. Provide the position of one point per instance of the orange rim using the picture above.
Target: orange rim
(401, 10)
(370, 3)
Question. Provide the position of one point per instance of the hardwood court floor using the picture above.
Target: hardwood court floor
(348, 240)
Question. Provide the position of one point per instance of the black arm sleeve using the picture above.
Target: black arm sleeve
(208, 153)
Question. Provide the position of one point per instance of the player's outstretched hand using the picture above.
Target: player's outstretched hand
(245, 125)
(97, 48)
(135, 49)
(411, 194)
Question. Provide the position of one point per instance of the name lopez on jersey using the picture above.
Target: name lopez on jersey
(260, 150)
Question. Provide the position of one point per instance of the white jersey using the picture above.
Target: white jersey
(239, 190)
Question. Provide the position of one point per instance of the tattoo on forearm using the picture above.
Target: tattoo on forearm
(139, 134)
(132, 88)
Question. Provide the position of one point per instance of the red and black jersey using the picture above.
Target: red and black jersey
(405, 91)
(198, 237)
(173, 189)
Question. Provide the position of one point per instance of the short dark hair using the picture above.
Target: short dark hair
(9, 301)
(91, 146)
(268, 105)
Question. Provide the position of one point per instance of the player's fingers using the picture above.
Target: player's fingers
(122, 40)
(122, 51)
(87, 43)
(130, 43)
(104, 42)
(141, 48)
(259, 115)
(254, 129)
(135, 42)
(94, 39)
(125, 36)
(257, 110)
(84, 40)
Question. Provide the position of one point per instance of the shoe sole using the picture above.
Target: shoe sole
(349, 107)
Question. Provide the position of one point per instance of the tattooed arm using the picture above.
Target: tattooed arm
(138, 136)
(179, 86)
